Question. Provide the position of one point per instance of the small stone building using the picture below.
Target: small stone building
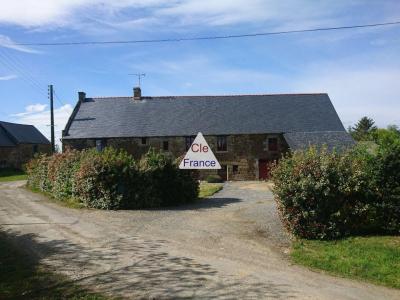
(245, 132)
(19, 143)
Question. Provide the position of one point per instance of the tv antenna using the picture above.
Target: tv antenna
(139, 76)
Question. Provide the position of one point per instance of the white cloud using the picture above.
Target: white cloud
(132, 13)
(8, 77)
(357, 92)
(39, 117)
(6, 42)
(36, 108)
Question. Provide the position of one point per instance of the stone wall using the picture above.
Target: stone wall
(243, 151)
(16, 157)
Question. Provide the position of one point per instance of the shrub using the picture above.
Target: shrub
(214, 179)
(320, 194)
(106, 180)
(386, 186)
(166, 184)
(112, 180)
(61, 173)
(37, 170)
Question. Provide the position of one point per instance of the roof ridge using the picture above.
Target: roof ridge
(209, 96)
(5, 122)
(317, 131)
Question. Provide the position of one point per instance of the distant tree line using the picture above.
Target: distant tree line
(366, 130)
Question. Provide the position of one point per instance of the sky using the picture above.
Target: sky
(358, 68)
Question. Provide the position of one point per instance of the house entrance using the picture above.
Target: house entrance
(263, 169)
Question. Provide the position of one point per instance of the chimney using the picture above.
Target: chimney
(137, 93)
(81, 96)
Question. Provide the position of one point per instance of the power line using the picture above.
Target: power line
(13, 63)
(183, 39)
(14, 67)
(58, 98)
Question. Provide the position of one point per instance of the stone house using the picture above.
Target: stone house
(19, 143)
(245, 132)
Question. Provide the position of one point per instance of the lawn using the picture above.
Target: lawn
(23, 278)
(374, 259)
(12, 175)
(209, 189)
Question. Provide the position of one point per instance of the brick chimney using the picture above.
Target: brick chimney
(137, 93)
(81, 96)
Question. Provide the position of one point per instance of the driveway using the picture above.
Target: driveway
(228, 247)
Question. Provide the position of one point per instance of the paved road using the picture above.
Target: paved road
(227, 247)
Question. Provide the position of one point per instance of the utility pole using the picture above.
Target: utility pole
(53, 149)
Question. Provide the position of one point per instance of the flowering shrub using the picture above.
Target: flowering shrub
(111, 179)
(327, 195)
(61, 170)
(37, 173)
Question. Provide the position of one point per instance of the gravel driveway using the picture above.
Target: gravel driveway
(229, 247)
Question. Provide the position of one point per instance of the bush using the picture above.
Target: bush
(112, 180)
(214, 179)
(320, 194)
(61, 170)
(323, 195)
(107, 179)
(166, 184)
(37, 173)
(386, 187)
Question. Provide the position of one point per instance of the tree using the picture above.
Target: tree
(363, 129)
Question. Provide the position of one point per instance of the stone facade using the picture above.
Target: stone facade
(15, 157)
(241, 161)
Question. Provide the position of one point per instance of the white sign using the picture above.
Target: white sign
(199, 156)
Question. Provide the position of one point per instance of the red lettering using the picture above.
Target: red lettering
(199, 148)
(193, 145)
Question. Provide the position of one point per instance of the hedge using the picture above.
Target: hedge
(329, 195)
(112, 179)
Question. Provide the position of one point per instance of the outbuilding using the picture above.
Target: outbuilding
(19, 143)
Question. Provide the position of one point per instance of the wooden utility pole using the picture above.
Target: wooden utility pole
(53, 148)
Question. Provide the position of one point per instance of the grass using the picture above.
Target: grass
(67, 202)
(374, 259)
(209, 189)
(21, 277)
(12, 175)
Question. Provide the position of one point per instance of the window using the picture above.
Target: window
(165, 146)
(189, 141)
(272, 144)
(143, 141)
(235, 169)
(35, 149)
(100, 145)
(221, 143)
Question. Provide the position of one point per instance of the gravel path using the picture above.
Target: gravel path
(229, 247)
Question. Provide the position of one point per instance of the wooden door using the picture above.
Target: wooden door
(263, 169)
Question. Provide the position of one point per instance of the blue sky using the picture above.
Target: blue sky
(360, 68)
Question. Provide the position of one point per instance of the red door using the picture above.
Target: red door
(263, 169)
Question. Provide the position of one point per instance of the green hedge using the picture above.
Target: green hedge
(111, 179)
(328, 195)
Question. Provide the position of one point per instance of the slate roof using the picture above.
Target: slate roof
(211, 115)
(338, 140)
(5, 140)
(12, 134)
